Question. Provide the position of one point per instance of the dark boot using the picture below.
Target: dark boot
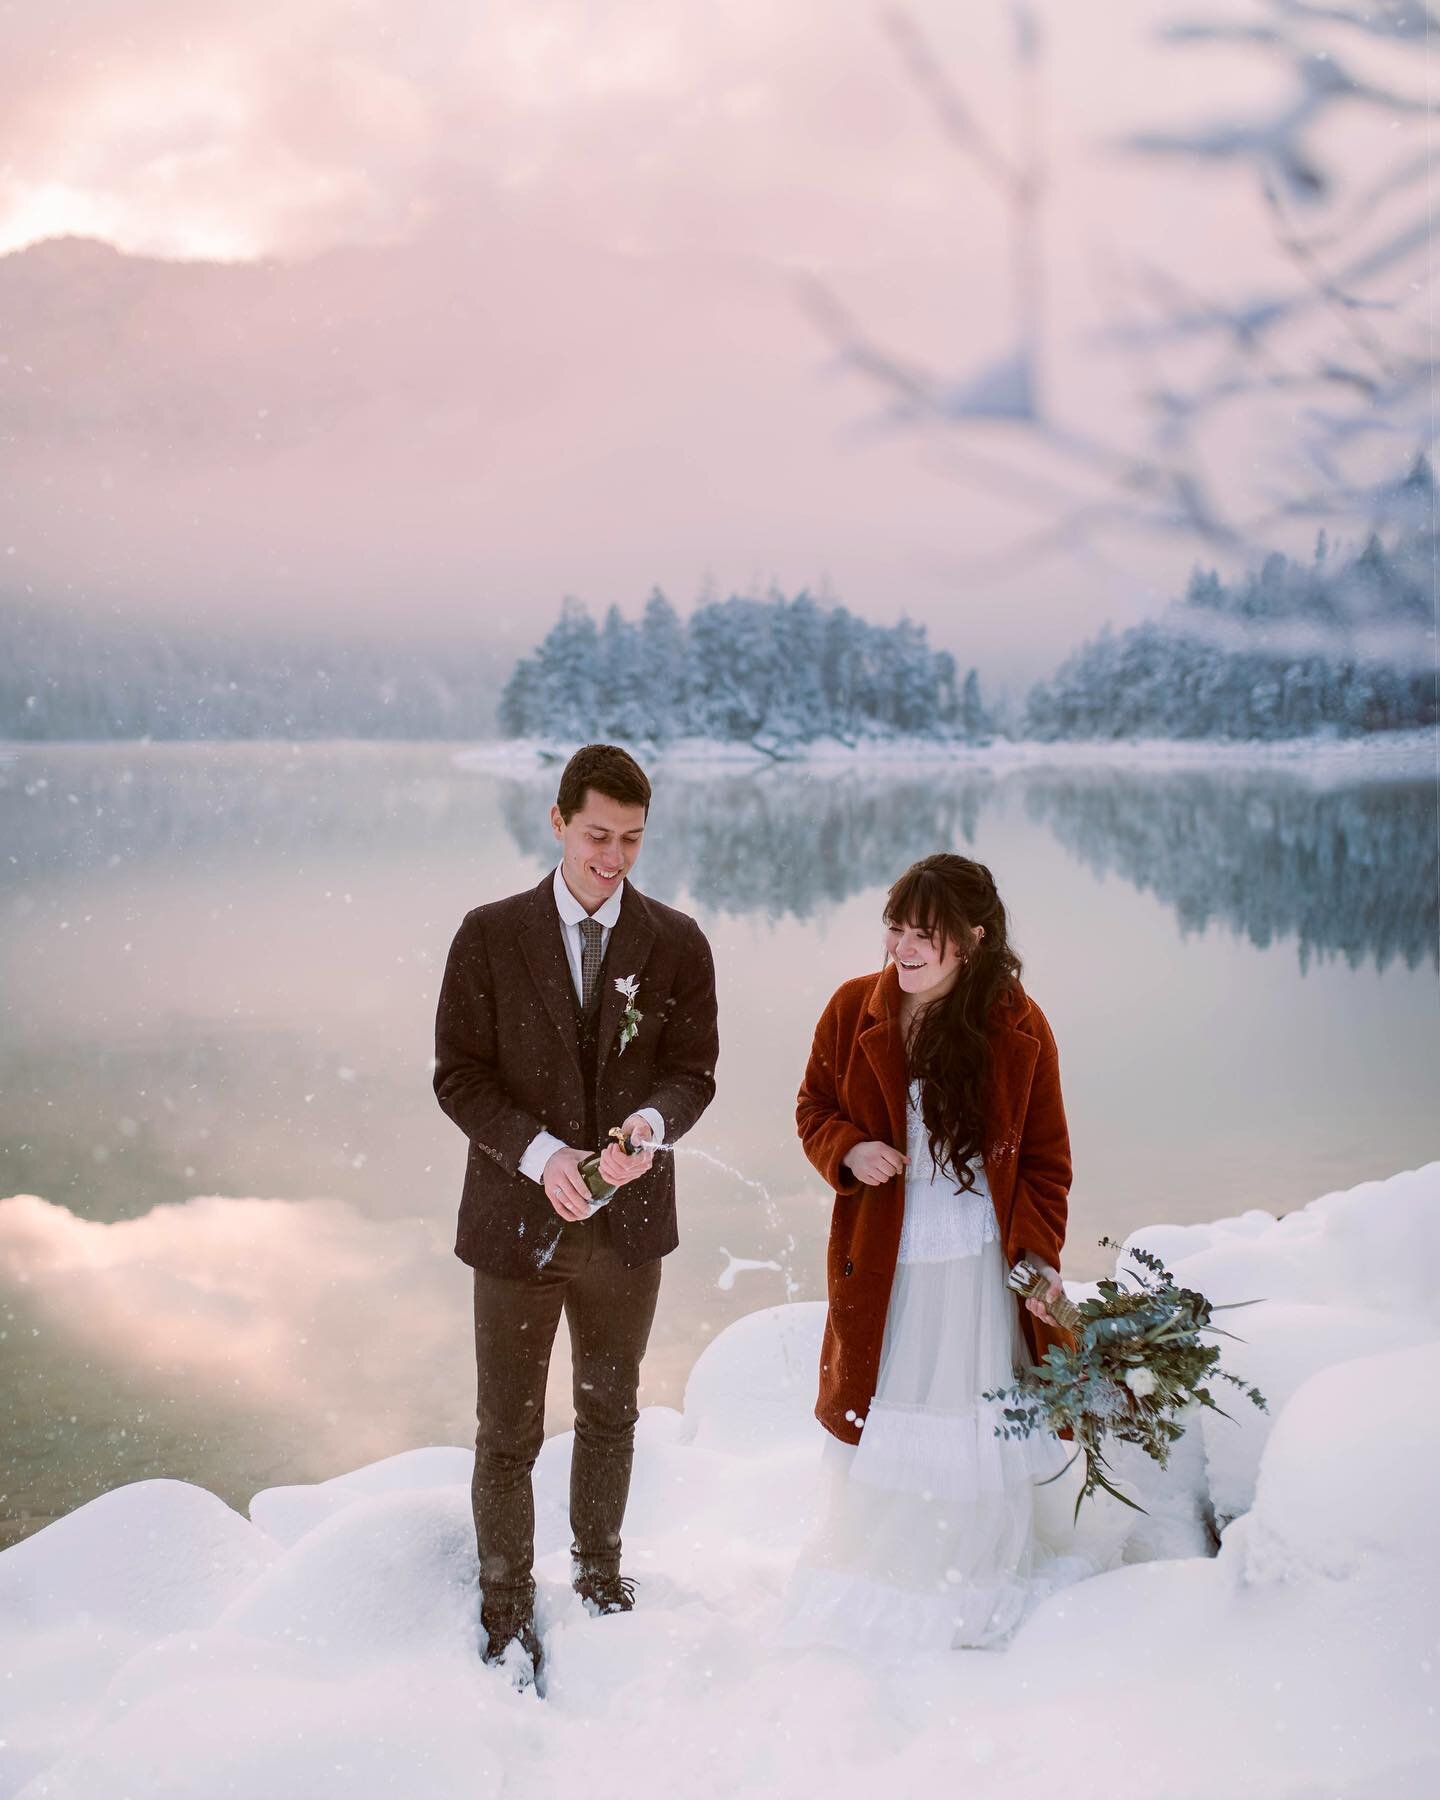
(603, 1591)
(507, 1627)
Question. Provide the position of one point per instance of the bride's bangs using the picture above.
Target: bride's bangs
(920, 900)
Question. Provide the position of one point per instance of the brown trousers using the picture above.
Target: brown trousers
(609, 1310)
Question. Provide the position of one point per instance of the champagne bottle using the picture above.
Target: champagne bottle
(602, 1192)
(1027, 1281)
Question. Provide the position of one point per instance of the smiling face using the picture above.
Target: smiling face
(599, 845)
(927, 964)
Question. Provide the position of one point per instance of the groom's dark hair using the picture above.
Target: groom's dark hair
(610, 771)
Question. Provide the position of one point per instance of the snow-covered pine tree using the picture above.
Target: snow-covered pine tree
(1340, 644)
(520, 700)
(840, 660)
(568, 686)
(624, 707)
(666, 673)
(799, 711)
(974, 721)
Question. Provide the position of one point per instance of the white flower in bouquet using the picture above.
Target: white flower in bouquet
(1141, 1382)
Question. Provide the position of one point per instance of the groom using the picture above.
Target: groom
(537, 1054)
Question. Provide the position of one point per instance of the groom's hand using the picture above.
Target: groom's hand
(564, 1186)
(615, 1165)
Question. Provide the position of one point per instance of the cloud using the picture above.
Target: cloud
(349, 1335)
(511, 308)
(202, 129)
(172, 128)
(523, 324)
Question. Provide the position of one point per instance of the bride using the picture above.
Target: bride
(931, 1105)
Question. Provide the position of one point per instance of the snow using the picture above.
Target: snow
(154, 1643)
(1388, 755)
(1350, 1274)
(741, 1265)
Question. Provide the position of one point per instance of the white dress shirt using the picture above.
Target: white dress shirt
(544, 1144)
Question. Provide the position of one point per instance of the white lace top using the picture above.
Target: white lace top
(939, 1224)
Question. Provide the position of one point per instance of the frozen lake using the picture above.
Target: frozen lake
(217, 985)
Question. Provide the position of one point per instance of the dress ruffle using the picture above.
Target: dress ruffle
(929, 1539)
(855, 1611)
(916, 1450)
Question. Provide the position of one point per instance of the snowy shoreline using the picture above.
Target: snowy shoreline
(1381, 755)
(1398, 754)
(157, 1643)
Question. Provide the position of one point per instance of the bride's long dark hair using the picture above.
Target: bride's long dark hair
(949, 1050)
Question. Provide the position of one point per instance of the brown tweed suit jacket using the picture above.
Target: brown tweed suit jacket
(508, 1063)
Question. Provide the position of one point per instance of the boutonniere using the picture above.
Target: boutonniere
(629, 986)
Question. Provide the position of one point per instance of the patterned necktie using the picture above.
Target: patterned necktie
(589, 960)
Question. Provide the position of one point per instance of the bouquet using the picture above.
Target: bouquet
(1137, 1370)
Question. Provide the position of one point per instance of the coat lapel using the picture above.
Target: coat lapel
(544, 951)
(884, 1049)
(625, 954)
(1013, 1055)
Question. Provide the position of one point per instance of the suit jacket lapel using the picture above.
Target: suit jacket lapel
(544, 951)
(625, 954)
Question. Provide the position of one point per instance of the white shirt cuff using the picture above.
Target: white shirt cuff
(541, 1148)
(544, 1144)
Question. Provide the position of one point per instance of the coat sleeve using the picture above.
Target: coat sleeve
(468, 1083)
(827, 1135)
(1043, 1170)
(689, 1045)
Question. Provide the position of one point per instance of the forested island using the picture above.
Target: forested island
(1342, 645)
(771, 673)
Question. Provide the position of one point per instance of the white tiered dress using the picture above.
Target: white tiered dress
(928, 1540)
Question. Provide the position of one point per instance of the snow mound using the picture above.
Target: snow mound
(157, 1645)
(1350, 1483)
(1348, 1275)
(87, 1594)
(287, 1513)
(223, 1723)
(753, 1389)
(155, 1556)
(387, 1576)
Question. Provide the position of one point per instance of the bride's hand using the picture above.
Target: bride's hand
(873, 1163)
(1041, 1308)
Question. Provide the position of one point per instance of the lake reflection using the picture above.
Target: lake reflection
(218, 972)
(781, 843)
(1348, 871)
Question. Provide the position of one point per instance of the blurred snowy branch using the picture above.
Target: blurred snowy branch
(1323, 370)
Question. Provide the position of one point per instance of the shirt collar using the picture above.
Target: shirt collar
(572, 912)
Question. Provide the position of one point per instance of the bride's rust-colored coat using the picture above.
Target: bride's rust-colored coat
(854, 1091)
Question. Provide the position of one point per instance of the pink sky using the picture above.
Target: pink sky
(503, 305)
